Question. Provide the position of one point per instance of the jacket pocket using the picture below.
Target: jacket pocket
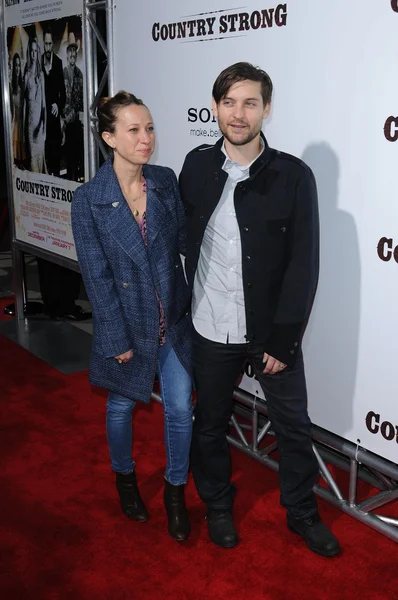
(277, 227)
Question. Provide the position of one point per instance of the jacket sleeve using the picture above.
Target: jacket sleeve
(300, 277)
(98, 279)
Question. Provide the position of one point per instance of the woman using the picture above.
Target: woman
(34, 109)
(128, 225)
(17, 110)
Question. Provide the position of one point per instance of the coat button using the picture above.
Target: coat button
(248, 257)
(201, 217)
(246, 229)
(177, 266)
(291, 351)
(295, 344)
(125, 285)
(283, 229)
(249, 285)
(251, 312)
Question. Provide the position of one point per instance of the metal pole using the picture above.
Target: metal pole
(352, 494)
(18, 272)
(91, 77)
(109, 44)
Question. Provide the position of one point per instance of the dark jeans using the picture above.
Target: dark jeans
(217, 367)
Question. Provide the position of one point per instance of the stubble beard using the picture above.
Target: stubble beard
(251, 135)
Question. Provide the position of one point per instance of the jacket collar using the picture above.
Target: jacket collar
(119, 219)
(262, 161)
(109, 187)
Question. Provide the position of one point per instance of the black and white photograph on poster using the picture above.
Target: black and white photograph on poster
(45, 62)
(11, 2)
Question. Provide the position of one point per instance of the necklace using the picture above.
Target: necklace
(135, 211)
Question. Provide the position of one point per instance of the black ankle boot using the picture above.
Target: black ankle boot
(178, 521)
(130, 499)
(316, 535)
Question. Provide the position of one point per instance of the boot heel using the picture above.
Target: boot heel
(130, 498)
(179, 526)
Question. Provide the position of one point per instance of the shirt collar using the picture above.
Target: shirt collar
(228, 162)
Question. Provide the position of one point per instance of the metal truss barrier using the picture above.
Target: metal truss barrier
(95, 89)
(251, 435)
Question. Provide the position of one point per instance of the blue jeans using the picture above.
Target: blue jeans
(175, 389)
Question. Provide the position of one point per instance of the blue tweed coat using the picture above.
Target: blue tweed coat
(121, 275)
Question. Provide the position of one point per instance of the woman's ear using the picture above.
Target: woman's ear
(108, 139)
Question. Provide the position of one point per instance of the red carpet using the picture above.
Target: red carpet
(63, 535)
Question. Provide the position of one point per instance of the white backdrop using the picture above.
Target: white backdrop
(334, 67)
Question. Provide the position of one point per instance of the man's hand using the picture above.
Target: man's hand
(54, 110)
(272, 365)
(125, 357)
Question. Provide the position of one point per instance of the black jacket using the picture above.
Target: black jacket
(54, 86)
(277, 213)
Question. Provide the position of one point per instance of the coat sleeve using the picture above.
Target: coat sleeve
(300, 277)
(109, 324)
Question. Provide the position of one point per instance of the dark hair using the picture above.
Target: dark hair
(47, 31)
(109, 107)
(16, 82)
(240, 72)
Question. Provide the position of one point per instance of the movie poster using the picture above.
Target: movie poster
(46, 80)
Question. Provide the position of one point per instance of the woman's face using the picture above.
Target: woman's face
(33, 52)
(134, 136)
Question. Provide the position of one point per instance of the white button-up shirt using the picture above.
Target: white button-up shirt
(218, 305)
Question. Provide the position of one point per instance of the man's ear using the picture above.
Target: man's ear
(267, 110)
(214, 108)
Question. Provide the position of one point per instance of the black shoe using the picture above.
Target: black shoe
(75, 313)
(316, 535)
(130, 499)
(221, 528)
(178, 521)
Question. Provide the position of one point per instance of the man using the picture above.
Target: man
(59, 286)
(54, 87)
(73, 114)
(252, 264)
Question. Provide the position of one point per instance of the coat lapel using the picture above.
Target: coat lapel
(119, 218)
(156, 213)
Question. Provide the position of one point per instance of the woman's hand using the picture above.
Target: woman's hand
(125, 357)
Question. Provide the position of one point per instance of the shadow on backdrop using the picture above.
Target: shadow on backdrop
(332, 338)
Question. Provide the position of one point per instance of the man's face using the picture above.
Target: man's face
(48, 45)
(71, 52)
(241, 112)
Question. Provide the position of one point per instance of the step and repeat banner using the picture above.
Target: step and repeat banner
(335, 70)
(47, 106)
